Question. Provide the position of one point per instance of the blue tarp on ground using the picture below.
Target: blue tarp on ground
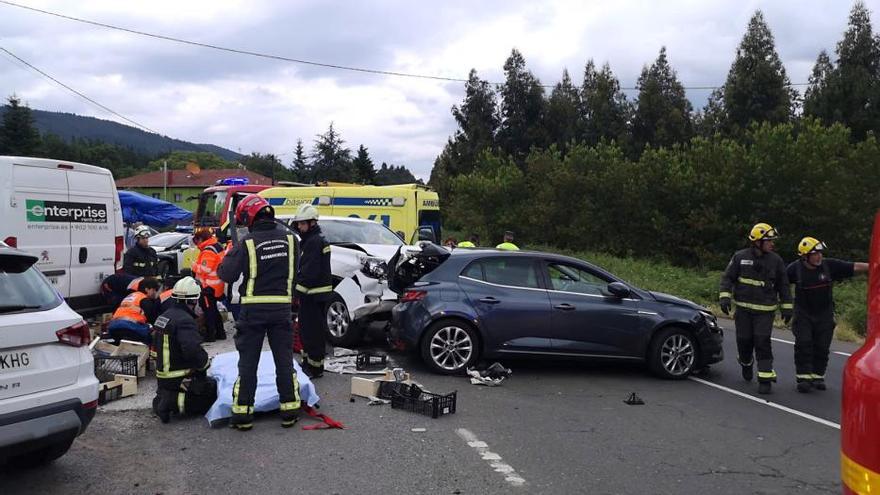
(154, 212)
(224, 369)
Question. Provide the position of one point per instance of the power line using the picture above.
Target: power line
(81, 95)
(288, 59)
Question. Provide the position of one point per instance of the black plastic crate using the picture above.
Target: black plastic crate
(387, 390)
(109, 394)
(106, 366)
(412, 398)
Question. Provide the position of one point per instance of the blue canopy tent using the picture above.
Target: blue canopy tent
(151, 211)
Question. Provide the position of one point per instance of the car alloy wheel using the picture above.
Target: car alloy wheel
(337, 319)
(451, 348)
(677, 354)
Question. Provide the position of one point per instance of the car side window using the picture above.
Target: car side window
(570, 278)
(514, 272)
(474, 271)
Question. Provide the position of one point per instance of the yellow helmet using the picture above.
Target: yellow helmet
(810, 245)
(763, 232)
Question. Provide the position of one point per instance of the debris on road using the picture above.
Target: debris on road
(491, 376)
(118, 368)
(366, 360)
(634, 400)
(375, 401)
(345, 362)
(373, 387)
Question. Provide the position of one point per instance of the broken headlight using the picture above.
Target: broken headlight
(374, 267)
(711, 321)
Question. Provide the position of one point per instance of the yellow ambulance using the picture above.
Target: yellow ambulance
(410, 210)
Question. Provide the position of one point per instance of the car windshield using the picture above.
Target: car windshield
(166, 240)
(210, 208)
(23, 288)
(341, 231)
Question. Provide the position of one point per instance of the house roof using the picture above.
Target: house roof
(183, 178)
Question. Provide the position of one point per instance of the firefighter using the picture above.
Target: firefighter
(813, 277)
(137, 311)
(204, 269)
(472, 242)
(141, 260)
(508, 244)
(313, 287)
(756, 280)
(266, 257)
(183, 386)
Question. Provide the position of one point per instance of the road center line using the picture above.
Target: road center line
(841, 353)
(494, 460)
(767, 403)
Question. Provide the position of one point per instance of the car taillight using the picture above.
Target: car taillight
(413, 295)
(120, 246)
(90, 405)
(11, 241)
(76, 335)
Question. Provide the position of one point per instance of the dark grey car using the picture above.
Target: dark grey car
(460, 306)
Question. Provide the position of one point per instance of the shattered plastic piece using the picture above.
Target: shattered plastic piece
(375, 401)
(342, 351)
(418, 430)
(491, 376)
(634, 400)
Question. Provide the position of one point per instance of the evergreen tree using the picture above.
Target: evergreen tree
(663, 112)
(388, 175)
(563, 113)
(363, 166)
(850, 92)
(18, 136)
(757, 88)
(522, 109)
(605, 111)
(331, 160)
(712, 120)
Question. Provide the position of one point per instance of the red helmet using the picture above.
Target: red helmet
(249, 207)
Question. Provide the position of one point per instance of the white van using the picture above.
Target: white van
(68, 215)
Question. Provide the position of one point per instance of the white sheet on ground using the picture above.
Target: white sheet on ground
(224, 368)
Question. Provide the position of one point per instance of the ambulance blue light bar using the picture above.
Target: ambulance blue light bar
(234, 181)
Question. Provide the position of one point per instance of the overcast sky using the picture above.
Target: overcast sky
(250, 104)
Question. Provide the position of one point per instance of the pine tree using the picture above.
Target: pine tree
(302, 170)
(330, 160)
(757, 88)
(604, 110)
(818, 96)
(563, 113)
(363, 166)
(663, 112)
(712, 120)
(18, 136)
(522, 109)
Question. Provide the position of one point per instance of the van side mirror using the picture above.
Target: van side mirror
(427, 234)
(618, 289)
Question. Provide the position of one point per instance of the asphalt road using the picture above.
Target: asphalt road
(553, 427)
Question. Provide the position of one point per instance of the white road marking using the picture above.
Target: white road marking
(495, 461)
(767, 403)
(841, 353)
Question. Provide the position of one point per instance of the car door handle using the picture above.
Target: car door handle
(564, 307)
(489, 300)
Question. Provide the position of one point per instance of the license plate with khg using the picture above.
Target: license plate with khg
(14, 361)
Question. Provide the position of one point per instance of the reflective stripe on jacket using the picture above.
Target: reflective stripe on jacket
(314, 276)
(178, 344)
(205, 267)
(756, 282)
(130, 308)
(266, 258)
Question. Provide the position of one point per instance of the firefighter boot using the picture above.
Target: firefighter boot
(241, 422)
(747, 372)
(163, 405)
(289, 418)
(764, 388)
(804, 386)
(312, 372)
(819, 383)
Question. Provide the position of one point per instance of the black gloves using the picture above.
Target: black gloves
(725, 305)
(786, 316)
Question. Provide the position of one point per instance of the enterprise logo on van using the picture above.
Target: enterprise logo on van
(39, 210)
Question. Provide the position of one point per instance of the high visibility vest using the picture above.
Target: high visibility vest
(130, 309)
(466, 244)
(135, 284)
(507, 246)
(205, 267)
(165, 296)
(253, 272)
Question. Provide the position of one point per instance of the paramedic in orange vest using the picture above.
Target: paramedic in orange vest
(138, 310)
(211, 253)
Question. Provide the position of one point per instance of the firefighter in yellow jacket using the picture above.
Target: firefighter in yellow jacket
(756, 281)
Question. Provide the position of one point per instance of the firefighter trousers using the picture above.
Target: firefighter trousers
(213, 322)
(311, 328)
(256, 322)
(186, 396)
(753, 330)
(812, 341)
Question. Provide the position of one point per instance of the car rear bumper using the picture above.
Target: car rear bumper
(408, 321)
(34, 428)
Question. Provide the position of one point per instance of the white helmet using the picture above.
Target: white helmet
(142, 231)
(186, 288)
(305, 212)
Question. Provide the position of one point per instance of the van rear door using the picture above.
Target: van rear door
(39, 199)
(92, 230)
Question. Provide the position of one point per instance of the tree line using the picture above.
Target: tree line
(329, 159)
(584, 167)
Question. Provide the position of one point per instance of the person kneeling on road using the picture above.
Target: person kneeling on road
(757, 280)
(813, 323)
(266, 258)
(181, 364)
(132, 319)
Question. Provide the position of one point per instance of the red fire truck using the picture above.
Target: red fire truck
(216, 201)
(860, 416)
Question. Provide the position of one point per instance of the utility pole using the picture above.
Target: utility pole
(165, 180)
